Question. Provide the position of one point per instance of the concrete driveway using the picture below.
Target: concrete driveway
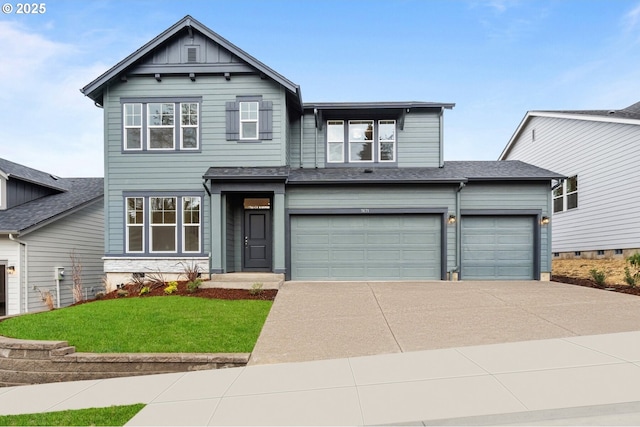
(328, 320)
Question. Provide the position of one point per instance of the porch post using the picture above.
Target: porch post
(216, 233)
(278, 233)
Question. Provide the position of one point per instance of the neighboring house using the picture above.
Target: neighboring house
(43, 221)
(211, 157)
(596, 209)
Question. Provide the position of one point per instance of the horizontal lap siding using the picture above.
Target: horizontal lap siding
(182, 171)
(419, 142)
(605, 158)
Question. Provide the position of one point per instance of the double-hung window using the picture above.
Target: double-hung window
(161, 124)
(335, 141)
(249, 120)
(168, 224)
(361, 140)
(135, 224)
(565, 195)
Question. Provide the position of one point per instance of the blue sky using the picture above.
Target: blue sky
(495, 59)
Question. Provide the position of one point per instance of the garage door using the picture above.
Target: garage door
(497, 248)
(365, 247)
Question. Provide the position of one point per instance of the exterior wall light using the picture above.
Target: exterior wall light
(452, 219)
(11, 269)
(544, 220)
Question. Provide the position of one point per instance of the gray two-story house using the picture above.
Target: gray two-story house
(212, 157)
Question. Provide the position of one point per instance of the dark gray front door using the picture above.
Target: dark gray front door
(3, 290)
(257, 240)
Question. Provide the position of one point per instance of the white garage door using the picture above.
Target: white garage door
(365, 247)
(497, 247)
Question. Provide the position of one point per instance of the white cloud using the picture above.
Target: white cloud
(47, 123)
(632, 18)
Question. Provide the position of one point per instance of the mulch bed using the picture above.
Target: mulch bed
(625, 289)
(215, 293)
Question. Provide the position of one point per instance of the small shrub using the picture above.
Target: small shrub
(194, 285)
(191, 271)
(628, 278)
(599, 276)
(171, 288)
(256, 289)
(47, 298)
(100, 295)
(121, 293)
(145, 290)
(156, 279)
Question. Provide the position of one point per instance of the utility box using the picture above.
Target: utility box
(59, 273)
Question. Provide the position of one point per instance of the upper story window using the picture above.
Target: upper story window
(161, 124)
(565, 196)
(249, 119)
(368, 141)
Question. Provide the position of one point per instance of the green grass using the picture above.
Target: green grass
(148, 325)
(111, 416)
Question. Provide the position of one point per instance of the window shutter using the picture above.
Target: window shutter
(266, 120)
(233, 120)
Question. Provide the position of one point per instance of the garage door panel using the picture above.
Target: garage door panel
(497, 248)
(366, 247)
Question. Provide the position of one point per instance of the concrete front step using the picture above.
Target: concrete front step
(244, 280)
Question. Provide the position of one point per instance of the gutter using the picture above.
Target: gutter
(26, 271)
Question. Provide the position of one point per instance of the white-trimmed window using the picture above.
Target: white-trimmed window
(135, 224)
(163, 224)
(189, 112)
(132, 126)
(565, 195)
(161, 129)
(361, 140)
(191, 224)
(386, 140)
(249, 120)
(335, 141)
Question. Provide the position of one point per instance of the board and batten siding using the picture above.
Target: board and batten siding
(605, 158)
(183, 171)
(513, 197)
(378, 197)
(11, 252)
(51, 246)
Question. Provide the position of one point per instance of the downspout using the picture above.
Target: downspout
(315, 149)
(442, 137)
(302, 139)
(458, 231)
(26, 271)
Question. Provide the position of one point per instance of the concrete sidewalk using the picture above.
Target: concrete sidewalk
(330, 320)
(563, 381)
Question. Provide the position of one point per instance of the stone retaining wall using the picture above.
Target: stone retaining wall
(35, 362)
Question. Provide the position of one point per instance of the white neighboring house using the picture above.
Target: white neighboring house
(43, 219)
(596, 210)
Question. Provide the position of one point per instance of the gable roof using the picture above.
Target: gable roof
(74, 194)
(95, 89)
(11, 170)
(629, 115)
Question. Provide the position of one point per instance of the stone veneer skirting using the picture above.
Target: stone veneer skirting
(25, 362)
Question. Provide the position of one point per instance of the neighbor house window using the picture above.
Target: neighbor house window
(163, 224)
(361, 140)
(135, 224)
(249, 120)
(191, 224)
(161, 129)
(335, 141)
(387, 140)
(155, 124)
(133, 126)
(189, 126)
(565, 195)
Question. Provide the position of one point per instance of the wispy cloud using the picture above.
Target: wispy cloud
(631, 19)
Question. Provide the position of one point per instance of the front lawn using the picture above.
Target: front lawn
(111, 416)
(148, 325)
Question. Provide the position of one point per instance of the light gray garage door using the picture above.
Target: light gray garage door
(497, 247)
(365, 247)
